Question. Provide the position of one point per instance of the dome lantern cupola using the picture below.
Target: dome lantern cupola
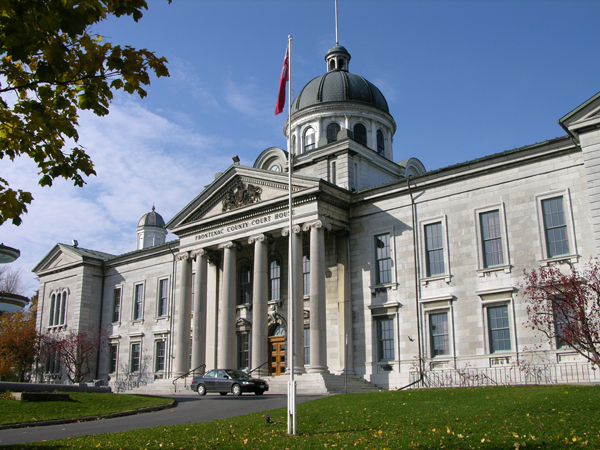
(151, 230)
(337, 58)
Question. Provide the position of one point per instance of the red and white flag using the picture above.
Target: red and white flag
(285, 77)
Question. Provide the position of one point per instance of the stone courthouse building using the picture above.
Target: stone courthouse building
(392, 261)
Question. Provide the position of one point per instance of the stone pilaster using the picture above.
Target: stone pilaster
(184, 312)
(318, 336)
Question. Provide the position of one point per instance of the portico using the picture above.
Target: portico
(251, 239)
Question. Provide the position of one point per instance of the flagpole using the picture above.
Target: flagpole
(291, 325)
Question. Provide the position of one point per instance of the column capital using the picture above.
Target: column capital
(199, 252)
(229, 245)
(260, 238)
(295, 229)
(319, 223)
(182, 256)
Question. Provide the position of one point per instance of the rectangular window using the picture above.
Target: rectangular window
(159, 365)
(385, 339)
(112, 358)
(163, 292)
(138, 302)
(116, 312)
(555, 227)
(499, 328)
(438, 334)
(491, 237)
(434, 249)
(135, 358)
(307, 346)
(243, 351)
(383, 256)
(274, 280)
(193, 285)
(306, 274)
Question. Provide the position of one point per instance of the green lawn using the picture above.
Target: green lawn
(550, 417)
(80, 405)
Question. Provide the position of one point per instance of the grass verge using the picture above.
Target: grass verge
(548, 417)
(80, 405)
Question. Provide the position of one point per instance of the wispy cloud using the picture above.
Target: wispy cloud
(140, 158)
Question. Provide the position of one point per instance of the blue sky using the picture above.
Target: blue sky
(463, 79)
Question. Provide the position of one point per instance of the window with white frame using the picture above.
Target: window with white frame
(306, 273)
(58, 307)
(159, 356)
(275, 279)
(439, 336)
(360, 134)
(243, 351)
(434, 249)
(491, 238)
(380, 143)
(385, 339)
(138, 301)
(116, 305)
(498, 328)
(163, 295)
(332, 131)
(556, 230)
(307, 346)
(383, 259)
(555, 227)
(309, 139)
(135, 361)
(244, 284)
(113, 357)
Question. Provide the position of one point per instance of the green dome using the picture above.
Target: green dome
(339, 86)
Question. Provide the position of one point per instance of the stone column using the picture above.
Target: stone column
(184, 313)
(344, 305)
(298, 297)
(199, 336)
(226, 332)
(318, 334)
(260, 297)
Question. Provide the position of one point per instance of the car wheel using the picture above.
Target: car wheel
(201, 389)
(236, 390)
(259, 392)
(223, 393)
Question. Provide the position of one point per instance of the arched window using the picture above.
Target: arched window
(52, 306)
(332, 131)
(306, 273)
(63, 308)
(275, 279)
(360, 134)
(309, 139)
(244, 286)
(380, 143)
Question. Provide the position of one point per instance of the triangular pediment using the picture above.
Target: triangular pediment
(63, 256)
(235, 192)
(584, 116)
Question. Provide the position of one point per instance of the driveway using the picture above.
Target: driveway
(189, 409)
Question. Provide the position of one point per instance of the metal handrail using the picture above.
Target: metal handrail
(256, 368)
(185, 375)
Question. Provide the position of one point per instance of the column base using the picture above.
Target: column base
(298, 370)
(318, 369)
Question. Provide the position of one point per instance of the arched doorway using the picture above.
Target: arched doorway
(277, 350)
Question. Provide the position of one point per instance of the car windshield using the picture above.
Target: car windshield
(238, 374)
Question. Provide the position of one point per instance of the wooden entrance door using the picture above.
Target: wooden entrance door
(276, 355)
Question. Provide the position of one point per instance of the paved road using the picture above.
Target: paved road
(190, 409)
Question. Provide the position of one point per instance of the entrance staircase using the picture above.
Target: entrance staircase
(306, 384)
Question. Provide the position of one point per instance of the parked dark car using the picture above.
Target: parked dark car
(224, 381)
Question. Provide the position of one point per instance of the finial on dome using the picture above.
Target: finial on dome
(152, 207)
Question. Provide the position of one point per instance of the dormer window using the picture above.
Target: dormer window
(332, 131)
(309, 139)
